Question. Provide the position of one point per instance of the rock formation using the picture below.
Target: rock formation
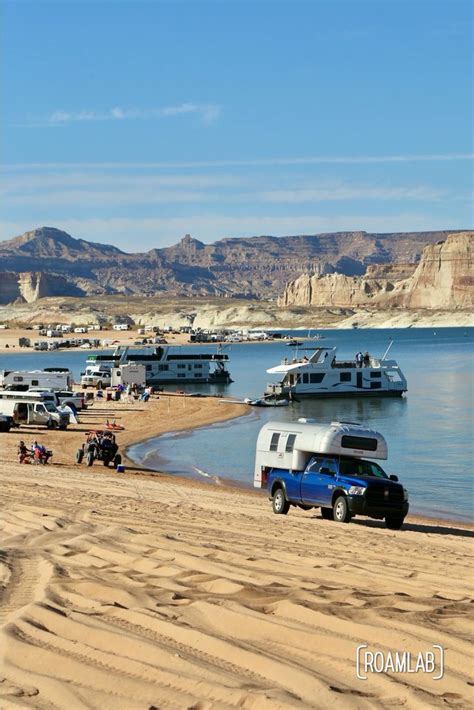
(252, 268)
(29, 286)
(443, 279)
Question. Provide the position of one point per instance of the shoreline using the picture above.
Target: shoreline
(232, 484)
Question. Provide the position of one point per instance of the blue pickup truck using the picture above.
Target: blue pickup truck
(328, 467)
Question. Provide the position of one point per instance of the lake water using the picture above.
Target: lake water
(430, 431)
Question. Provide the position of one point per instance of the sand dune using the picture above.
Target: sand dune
(127, 592)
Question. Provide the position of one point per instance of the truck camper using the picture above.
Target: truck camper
(328, 466)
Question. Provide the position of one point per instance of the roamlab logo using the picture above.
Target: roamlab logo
(430, 662)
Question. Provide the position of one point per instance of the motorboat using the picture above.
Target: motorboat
(267, 402)
(321, 374)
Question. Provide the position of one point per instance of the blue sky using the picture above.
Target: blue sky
(134, 123)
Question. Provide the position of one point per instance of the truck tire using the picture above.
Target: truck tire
(99, 385)
(327, 514)
(90, 458)
(394, 522)
(341, 512)
(279, 503)
(117, 460)
(79, 455)
(51, 424)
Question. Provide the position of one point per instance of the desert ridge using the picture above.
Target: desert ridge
(137, 591)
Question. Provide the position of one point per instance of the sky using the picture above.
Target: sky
(134, 123)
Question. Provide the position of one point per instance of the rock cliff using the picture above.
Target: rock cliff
(29, 286)
(253, 268)
(443, 279)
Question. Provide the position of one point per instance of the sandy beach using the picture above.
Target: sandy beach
(127, 591)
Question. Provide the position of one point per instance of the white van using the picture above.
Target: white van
(32, 408)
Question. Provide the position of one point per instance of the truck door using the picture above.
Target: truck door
(310, 481)
(318, 481)
(22, 412)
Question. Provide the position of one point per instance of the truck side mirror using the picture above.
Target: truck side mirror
(393, 478)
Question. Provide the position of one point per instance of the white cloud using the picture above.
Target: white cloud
(207, 112)
(250, 162)
(350, 192)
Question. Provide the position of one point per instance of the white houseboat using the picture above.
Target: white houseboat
(167, 365)
(321, 375)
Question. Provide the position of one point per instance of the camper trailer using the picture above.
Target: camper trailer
(331, 467)
(50, 378)
(32, 408)
(130, 374)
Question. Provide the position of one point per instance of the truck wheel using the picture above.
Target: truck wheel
(326, 513)
(394, 522)
(90, 458)
(341, 512)
(280, 504)
(99, 385)
(117, 460)
(51, 424)
(79, 455)
(106, 462)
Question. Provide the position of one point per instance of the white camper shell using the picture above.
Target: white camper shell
(290, 445)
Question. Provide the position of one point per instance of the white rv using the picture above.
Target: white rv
(130, 374)
(53, 379)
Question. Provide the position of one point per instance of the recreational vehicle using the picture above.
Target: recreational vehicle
(331, 467)
(49, 378)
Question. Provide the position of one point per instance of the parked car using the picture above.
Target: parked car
(6, 422)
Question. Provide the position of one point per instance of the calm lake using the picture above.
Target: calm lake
(429, 431)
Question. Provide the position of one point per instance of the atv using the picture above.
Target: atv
(100, 446)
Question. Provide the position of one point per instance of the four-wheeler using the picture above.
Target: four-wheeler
(99, 445)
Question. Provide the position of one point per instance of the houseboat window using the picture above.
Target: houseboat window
(359, 442)
(198, 366)
(375, 385)
(35, 383)
(181, 367)
(305, 378)
(161, 368)
(376, 374)
(198, 374)
(18, 379)
(345, 377)
(181, 374)
(316, 377)
(290, 442)
(274, 442)
(148, 367)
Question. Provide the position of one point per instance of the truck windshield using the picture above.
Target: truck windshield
(359, 467)
(49, 406)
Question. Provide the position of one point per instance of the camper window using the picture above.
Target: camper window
(359, 442)
(274, 441)
(290, 442)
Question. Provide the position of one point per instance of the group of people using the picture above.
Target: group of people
(362, 359)
(37, 454)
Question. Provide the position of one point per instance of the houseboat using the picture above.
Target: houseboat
(166, 365)
(321, 375)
